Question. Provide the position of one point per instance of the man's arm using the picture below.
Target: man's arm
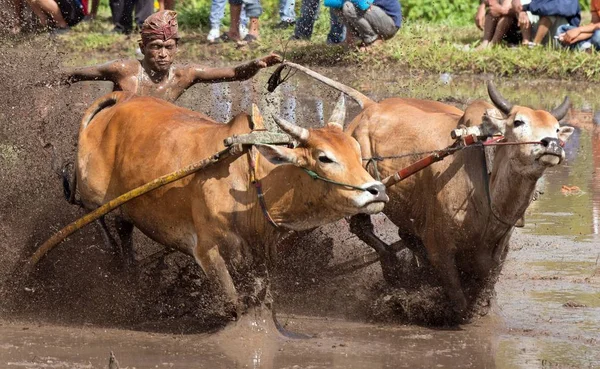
(239, 73)
(579, 34)
(480, 16)
(103, 72)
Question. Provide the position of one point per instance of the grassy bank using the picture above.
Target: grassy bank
(419, 46)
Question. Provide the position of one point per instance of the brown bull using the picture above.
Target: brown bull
(451, 215)
(215, 215)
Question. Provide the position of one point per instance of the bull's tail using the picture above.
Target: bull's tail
(360, 98)
(102, 103)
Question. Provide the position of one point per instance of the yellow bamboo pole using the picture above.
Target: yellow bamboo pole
(128, 196)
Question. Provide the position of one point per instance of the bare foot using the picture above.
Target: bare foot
(484, 45)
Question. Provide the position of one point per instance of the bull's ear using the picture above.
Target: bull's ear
(278, 155)
(494, 121)
(565, 132)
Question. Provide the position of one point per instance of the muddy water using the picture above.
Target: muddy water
(548, 298)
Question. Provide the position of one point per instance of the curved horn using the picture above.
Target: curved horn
(560, 111)
(339, 111)
(297, 132)
(498, 100)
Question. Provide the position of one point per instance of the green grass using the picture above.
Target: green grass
(419, 46)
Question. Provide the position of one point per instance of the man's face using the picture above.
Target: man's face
(159, 54)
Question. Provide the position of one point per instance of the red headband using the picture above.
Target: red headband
(160, 26)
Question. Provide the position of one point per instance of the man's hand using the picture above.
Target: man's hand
(268, 61)
(524, 20)
(570, 36)
(480, 16)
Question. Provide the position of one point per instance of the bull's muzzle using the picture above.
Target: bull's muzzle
(552, 147)
(377, 189)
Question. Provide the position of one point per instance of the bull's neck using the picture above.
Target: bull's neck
(510, 190)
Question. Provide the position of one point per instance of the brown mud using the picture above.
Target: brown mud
(83, 301)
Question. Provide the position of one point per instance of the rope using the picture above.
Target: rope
(315, 176)
(252, 160)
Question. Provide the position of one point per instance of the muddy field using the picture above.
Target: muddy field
(83, 302)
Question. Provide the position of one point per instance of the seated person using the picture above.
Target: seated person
(584, 37)
(156, 75)
(372, 21)
(503, 21)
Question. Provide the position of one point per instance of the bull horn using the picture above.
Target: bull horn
(498, 100)
(339, 111)
(560, 111)
(297, 132)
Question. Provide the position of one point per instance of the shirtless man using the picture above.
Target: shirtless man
(156, 75)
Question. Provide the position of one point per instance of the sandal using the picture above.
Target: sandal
(225, 38)
(250, 39)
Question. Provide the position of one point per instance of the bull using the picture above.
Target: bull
(454, 216)
(217, 215)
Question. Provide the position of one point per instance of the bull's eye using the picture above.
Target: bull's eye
(518, 123)
(325, 159)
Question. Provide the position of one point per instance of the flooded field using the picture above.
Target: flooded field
(81, 307)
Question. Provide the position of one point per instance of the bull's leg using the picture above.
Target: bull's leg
(445, 265)
(125, 232)
(362, 227)
(215, 269)
(106, 236)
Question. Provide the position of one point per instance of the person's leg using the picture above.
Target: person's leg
(235, 10)
(595, 40)
(381, 23)
(143, 9)
(357, 23)
(116, 8)
(542, 30)
(504, 24)
(337, 30)
(49, 7)
(94, 9)
(38, 11)
(217, 12)
(489, 28)
(253, 11)
(309, 11)
(287, 14)
(124, 23)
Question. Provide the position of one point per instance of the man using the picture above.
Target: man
(585, 37)
(155, 75)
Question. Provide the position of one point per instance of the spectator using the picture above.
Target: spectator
(49, 12)
(309, 12)
(552, 15)
(503, 21)
(122, 11)
(217, 11)
(584, 37)
(518, 20)
(372, 21)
